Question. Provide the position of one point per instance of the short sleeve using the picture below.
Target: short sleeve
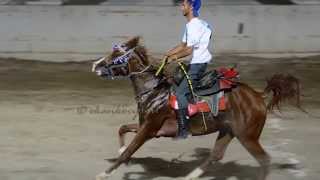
(193, 35)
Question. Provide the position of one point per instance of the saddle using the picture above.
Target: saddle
(210, 91)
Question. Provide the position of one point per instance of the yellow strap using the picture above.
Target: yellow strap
(188, 78)
(164, 62)
(204, 122)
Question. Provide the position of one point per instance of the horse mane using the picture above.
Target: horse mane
(133, 42)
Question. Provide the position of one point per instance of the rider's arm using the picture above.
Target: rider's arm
(176, 49)
(184, 52)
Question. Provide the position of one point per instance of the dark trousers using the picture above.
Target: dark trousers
(183, 91)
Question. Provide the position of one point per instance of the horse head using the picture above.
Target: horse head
(125, 59)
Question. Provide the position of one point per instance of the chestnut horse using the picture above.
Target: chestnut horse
(244, 119)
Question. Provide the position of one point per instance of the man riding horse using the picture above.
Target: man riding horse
(195, 41)
(243, 118)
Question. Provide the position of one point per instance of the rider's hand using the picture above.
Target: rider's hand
(96, 63)
(172, 58)
(166, 58)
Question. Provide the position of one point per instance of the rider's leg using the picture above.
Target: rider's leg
(181, 92)
(196, 71)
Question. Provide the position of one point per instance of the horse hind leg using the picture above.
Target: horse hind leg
(216, 155)
(256, 150)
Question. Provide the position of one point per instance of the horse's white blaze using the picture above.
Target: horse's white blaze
(93, 69)
(122, 149)
(194, 174)
(96, 63)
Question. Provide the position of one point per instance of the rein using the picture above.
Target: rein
(140, 72)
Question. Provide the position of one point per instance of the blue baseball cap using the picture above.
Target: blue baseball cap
(196, 5)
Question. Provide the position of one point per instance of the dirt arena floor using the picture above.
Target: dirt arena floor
(58, 121)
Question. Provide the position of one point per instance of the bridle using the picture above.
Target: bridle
(123, 61)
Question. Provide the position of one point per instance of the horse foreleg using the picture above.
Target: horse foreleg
(216, 155)
(256, 150)
(141, 137)
(124, 129)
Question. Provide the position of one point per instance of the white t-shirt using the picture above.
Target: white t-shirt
(197, 35)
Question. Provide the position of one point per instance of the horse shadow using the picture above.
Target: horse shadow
(157, 167)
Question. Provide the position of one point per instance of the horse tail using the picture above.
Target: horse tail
(284, 87)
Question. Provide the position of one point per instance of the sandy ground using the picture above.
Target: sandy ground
(59, 121)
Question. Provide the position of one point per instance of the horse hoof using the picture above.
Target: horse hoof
(195, 174)
(102, 176)
(122, 149)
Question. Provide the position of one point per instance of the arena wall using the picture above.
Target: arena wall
(62, 33)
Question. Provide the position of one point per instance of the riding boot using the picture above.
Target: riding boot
(182, 124)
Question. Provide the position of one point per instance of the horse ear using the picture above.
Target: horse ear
(132, 42)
